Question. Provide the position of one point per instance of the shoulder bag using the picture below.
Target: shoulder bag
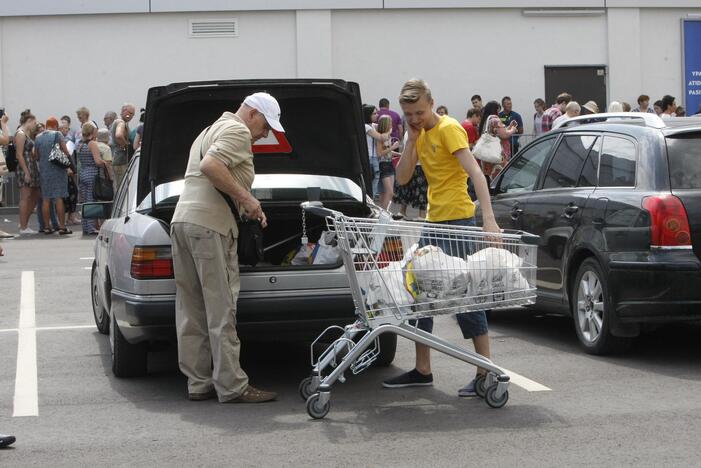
(488, 147)
(250, 241)
(11, 157)
(103, 190)
(57, 156)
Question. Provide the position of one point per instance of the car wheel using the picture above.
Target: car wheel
(388, 348)
(592, 311)
(102, 318)
(128, 360)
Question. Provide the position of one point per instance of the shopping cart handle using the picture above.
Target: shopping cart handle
(317, 208)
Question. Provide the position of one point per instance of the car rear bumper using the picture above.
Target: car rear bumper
(659, 291)
(259, 316)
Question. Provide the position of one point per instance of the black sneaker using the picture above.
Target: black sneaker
(6, 440)
(412, 378)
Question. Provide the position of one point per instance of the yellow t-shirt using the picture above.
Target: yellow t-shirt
(447, 180)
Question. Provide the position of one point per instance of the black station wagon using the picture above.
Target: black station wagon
(616, 201)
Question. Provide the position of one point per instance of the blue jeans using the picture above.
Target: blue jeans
(375, 166)
(471, 324)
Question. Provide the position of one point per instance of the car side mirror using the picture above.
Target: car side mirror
(96, 210)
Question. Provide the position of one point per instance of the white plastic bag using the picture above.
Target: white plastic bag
(327, 252)
(385, 287)
(437, 274)
(492, 272)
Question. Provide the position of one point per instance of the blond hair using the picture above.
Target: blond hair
(413, 90)
(384, 125)
(87, 130)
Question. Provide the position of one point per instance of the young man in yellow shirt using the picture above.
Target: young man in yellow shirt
(440, 144)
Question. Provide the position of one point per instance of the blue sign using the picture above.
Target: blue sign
(692, 66)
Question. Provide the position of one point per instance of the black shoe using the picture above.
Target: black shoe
(412, 378)
(6, 440)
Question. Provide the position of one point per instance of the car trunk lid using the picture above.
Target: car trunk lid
(322, 120)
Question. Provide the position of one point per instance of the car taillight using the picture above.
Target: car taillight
(152, 263)
(669, 224)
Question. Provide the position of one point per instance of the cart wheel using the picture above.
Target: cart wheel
(492, 400)
(315, 410)
(480, 385)
(306, 388)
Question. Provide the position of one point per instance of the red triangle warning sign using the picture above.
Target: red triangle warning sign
(275, 142)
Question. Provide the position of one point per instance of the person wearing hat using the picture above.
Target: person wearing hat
(204, 239)
(590, 108)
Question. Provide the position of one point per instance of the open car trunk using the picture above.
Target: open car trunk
(282, 237)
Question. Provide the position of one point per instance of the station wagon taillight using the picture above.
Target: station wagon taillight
(152, 263)
(669, 224)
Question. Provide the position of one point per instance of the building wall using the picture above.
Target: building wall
(53, 64)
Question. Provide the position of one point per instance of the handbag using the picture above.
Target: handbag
(103, 190)
(11, 157)
(488, 147)
(250, 241)
(57, 156)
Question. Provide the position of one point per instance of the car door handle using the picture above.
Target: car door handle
(570, 211)
(516, 212)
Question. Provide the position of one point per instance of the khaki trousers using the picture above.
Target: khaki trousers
(207, 288)
(119, 173)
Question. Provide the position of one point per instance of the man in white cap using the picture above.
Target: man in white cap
(204, 238)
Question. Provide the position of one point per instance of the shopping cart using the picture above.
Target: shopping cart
(400, 271)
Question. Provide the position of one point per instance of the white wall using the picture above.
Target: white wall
(461, 52)
(53, 64)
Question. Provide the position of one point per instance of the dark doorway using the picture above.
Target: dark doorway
(584, 83)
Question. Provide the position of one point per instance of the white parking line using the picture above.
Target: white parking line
(87, 268)
(87, 258)
(526, 384)
(67, 327)
(26, 400)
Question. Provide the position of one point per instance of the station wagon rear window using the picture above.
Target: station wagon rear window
(684, 152)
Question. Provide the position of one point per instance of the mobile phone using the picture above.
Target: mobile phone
(2, 111)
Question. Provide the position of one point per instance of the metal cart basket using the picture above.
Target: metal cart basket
(400, 271)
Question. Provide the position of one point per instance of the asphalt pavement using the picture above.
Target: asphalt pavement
(639, 409)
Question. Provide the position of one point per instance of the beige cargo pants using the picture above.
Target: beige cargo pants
(207, 288)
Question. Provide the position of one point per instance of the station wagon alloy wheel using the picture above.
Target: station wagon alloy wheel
(590, 306)
(592, 311)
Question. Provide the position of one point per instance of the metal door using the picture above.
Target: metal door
(584, 83)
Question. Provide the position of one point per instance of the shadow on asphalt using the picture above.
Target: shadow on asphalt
(360, 407)
(666, 350)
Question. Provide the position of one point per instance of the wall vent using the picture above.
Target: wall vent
(221, 27)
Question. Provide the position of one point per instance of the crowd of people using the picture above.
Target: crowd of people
(58, 167)
(385, 133)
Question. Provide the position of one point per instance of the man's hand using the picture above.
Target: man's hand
(490, 225)
(5, 118)
(413, 132)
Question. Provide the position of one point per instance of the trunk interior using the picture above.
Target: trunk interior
(284, 232)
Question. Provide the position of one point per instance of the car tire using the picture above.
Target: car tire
(388, 349)
(128, 360)
(591, 310)
(102, 318)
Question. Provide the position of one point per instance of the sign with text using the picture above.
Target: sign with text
(692, 65)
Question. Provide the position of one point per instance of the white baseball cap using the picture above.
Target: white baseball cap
(268, 106)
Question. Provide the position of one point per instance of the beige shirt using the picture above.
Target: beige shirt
(105, 151)
(229, 141)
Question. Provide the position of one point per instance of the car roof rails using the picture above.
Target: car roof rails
(636, 118)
